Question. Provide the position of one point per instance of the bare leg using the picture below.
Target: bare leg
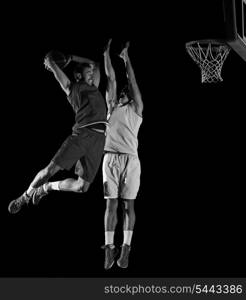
(128, 214)
(110, 220)
(69, 185)
(42, 177)
(129, 222)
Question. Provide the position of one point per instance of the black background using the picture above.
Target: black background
(189, 208)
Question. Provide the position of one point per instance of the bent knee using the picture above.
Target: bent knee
(112, 204)
(82, 186)
(128, 205)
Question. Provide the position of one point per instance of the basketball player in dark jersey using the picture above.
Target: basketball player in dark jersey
(84, 147)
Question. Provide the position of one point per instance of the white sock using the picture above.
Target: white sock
(30, 191)
(45, 187)
(127, 237)
(109, 237)
(52, 186)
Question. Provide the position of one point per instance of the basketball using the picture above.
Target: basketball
(60, 59)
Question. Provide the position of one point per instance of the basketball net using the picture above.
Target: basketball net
(210, 59)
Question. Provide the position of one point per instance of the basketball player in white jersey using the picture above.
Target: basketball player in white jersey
(121, 165)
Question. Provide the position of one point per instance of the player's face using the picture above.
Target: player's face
(88, 75)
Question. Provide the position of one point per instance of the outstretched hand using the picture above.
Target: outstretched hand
(107, 47)
(48, 63)
(124, 52)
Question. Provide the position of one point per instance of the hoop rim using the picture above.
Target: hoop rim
(218, 42)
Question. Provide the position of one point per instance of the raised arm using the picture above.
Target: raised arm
(96, 69)
(60, 76)
(111, 89)
(134, 89)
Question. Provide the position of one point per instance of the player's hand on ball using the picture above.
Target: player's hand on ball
(124, 52)
(48, 63)
(107, 47)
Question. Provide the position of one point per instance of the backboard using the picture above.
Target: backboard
(234, 17)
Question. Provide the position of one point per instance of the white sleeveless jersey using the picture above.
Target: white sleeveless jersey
(122, 131)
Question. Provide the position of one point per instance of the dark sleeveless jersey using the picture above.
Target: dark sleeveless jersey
(88, 104)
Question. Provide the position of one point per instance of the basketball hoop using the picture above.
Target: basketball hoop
(210, 56)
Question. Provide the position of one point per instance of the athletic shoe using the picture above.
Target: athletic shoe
(15, 205)
(110, 254)
(124, 256)
(38, 194)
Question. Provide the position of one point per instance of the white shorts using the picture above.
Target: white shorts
(121, 175)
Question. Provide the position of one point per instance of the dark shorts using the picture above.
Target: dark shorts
(85, 149)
